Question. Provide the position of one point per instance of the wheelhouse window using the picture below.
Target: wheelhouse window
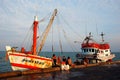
(106, 50)
(97, 51)
(102, 52)
(106, 54)
(85, 50)
(89, 50)
(93, 50)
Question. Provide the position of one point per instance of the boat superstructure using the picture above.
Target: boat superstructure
(95, 50)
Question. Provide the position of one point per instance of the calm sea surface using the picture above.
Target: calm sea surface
(5, 67)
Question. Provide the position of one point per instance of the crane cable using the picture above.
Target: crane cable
(59, 36)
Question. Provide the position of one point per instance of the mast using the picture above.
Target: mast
(88, 38)
(47, 30)
(35, 25)
(102, 36)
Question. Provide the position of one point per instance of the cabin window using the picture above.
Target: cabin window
(89, 50)
(97, 51)
(106, 54)
(83, 50)
(86, 50)
(106, 50)
(102, 52)
(93, 50)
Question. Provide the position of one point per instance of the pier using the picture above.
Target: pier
(36, 71)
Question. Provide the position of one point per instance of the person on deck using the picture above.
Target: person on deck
(64, 59)
(58, 60)
(85, 61)
(69, 61)
(64, 65)
(54, 59)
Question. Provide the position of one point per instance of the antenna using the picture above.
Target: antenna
(97, 29)
(86, 29)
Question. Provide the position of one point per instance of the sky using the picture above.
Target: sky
(82, 16)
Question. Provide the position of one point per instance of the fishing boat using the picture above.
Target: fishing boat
(25, 60)
(95, 51)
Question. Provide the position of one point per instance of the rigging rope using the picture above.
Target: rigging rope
(67, 39)
(75, 32)
(74, 49)
(27, 40)
(65, 36)
(52, 40)
(59, 36)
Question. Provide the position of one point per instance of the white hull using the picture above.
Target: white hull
(22, 61)
(103, 58)
(106, 58)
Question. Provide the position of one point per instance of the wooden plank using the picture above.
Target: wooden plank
(10, 74)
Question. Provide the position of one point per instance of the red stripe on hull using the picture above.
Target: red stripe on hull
(30, 56)
(24, 66)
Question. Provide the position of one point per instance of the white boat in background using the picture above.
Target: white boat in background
(25, 60)
(94, 50)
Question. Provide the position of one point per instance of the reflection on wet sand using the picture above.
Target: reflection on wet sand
(58, 75)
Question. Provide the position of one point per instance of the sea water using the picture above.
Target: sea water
(58, 75)
(5, 64)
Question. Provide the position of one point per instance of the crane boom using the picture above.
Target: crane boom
(47, 30)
